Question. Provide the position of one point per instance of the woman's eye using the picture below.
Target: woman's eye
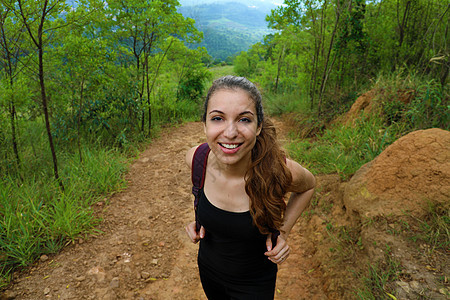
(247, 120)
(216, 119)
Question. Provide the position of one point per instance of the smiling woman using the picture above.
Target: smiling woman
(242, 206)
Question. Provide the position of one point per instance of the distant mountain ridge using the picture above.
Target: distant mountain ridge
(229, 27)
(262, 5)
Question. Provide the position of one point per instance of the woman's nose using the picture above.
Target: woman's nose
(231, 130)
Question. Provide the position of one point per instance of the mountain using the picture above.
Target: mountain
(228, 27)
(263, 5)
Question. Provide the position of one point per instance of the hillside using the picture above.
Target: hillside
(230, 27)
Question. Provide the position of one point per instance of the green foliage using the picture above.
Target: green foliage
(413, 102)
(279, 104)
(192, 85)
(329, 49)
(220, 71)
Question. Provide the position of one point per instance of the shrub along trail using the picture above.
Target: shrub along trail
(143, 251)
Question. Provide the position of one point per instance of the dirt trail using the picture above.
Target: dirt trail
(143, 252)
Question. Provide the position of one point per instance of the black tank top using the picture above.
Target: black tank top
(233, 248)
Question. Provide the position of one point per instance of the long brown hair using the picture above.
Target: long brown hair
(267, 179)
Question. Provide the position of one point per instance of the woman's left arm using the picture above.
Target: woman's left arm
(302, 190)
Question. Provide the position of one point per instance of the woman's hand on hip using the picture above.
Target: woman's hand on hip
(280, 252)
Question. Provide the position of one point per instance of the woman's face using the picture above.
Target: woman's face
(231, 125)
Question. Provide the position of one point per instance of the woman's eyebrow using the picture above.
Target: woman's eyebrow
(246, 112)
(221, 112)
(216, 111)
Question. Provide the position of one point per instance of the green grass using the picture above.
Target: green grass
(36, 217)
(343, 149)
(279, 104)
(434, 228)
(221, 71)
(376, 284)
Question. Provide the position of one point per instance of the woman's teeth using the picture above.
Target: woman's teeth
(230, 146)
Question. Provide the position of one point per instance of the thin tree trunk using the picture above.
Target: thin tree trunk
(326, 69)
(13, 132)
(280, 60)
(79, 120)
(39, 45)
(149, 90)
(9, 74)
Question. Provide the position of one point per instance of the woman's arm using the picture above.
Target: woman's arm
(302, 190)
(190, 156)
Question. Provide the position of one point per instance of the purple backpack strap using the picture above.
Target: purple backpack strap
(198, 172)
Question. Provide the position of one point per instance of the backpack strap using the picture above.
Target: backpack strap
(198, 172)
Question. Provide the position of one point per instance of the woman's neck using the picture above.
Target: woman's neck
(237, 170)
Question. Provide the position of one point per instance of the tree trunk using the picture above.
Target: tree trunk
(39, 45)
(12, 109)
(280, 60)
(149, 90)
(12, 106)
(46, 116)
(80, 108)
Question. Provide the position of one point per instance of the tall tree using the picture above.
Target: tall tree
(39, 19)
(144, 26)
(11, 45)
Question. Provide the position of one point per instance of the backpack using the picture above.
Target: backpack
(198, 173)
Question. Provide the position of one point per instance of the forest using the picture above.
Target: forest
(85, 87)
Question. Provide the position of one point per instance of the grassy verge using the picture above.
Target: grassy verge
(37, 218)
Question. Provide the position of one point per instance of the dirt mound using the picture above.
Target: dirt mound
(368, 228)
(363, 103)
(387, 202)
(409, 175)
(368, 103)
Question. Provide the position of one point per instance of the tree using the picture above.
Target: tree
(145, 26)
(11, 44)
(39, 19)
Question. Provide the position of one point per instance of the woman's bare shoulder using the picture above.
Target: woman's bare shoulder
(190, 155)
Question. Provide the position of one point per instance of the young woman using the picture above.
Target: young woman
(242, 201)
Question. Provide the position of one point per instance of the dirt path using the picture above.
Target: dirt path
(143, 252)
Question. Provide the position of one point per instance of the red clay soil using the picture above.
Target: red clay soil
(142, 251)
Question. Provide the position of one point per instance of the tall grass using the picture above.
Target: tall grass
(36, 217)
(279, 104)
(343, 149)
